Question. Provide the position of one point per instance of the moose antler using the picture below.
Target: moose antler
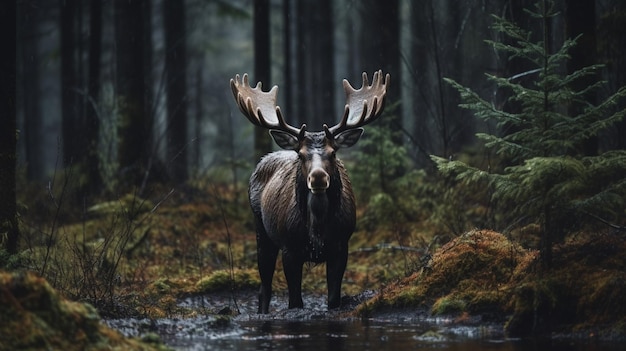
(259, 106)
(363, 105)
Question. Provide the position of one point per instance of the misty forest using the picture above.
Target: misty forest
(490, 188)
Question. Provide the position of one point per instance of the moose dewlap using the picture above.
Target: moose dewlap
(301, 197)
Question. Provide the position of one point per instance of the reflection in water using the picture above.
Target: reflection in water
(337, 335)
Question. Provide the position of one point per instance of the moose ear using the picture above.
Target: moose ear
(285, 140)
(349, 137)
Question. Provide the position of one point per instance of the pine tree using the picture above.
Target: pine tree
(544, 178)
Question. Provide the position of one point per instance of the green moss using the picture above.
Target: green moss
(412, 297)
(448, 305)
(35, 316)
(130, 204)
(162, 286)
(488, 301)
(222, 280)
(470, 273)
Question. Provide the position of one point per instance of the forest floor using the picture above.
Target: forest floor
(180, 255)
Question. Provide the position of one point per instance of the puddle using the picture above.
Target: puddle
(313, 328)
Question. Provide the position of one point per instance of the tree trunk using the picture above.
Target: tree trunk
(29, 82)
(420, 91)
(380, 49)
(315, 65)
(288, 58)
(69, 83)
(262, 67)
(8, 132)
(175, 61)
(130, 86)
(92, 121)
(148, 98)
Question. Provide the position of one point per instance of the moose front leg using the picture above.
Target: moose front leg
(335, 268)
(267, 252)
(292, 265)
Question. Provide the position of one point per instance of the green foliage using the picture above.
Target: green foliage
(542, 127)
(396, 197)
(545, 178)
(380, 209)
(9, 261)
(380, 162)
(379, 178)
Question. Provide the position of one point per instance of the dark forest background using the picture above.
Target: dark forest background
(112, 97)
(132, 91)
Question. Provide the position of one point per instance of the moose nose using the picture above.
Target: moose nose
(318, 181)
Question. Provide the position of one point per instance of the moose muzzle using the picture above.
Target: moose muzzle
(318, 181)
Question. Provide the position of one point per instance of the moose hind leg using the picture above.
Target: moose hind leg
(266, 260)
(292, 266)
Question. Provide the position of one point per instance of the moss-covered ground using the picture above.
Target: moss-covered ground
(482, 273)
(34, 316)
(138, 255)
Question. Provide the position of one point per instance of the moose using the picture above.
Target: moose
(301, 196)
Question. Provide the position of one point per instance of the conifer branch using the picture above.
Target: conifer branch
(600, 219)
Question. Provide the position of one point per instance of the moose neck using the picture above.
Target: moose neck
(317, 213)
(317, 206)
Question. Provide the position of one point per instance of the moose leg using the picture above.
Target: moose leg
(266, 259)
(335, 268)
(292, 265)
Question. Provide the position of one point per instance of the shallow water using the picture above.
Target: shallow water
(331, 335)
(315, 329)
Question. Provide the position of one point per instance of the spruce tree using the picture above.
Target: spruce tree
(543, 177)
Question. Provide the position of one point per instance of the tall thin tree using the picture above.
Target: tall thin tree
(70, 85)
(288, 57)
(92, 118)
(29, 82)
(130, 86)
(379, 44)
(8, 132)
(314, 63)
(262, 66)
(175, 64)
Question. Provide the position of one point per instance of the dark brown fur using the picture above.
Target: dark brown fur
(302, 199)
(307, 227)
